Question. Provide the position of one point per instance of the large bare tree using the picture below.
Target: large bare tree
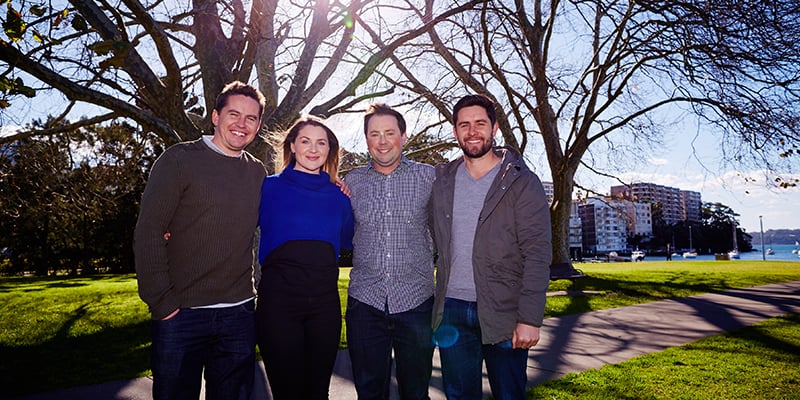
(573, 76)
(579, 75)
(161, 63)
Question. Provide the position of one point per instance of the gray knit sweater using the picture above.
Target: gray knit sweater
(209, 204)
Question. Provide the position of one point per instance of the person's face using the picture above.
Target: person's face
(236, 124)
(310, 149)
(385, 142)
(474, 131)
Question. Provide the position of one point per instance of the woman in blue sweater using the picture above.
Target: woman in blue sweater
(305, 220)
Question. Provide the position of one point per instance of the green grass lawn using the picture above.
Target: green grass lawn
(58, 332)
(624, 284)
(758, 362)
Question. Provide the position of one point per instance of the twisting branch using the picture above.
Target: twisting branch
(58, 129)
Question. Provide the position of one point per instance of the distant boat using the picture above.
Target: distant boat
(770, 251)
(691, 253)
(734, 254)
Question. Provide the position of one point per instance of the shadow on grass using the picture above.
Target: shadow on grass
(598, 292)
(594, 293)
(39, 283)
(757, 334)
(110, 354)
(670, 286)
(65, 361)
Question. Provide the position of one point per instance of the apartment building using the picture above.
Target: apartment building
(692, 202)
(639, 219)
(575, 235)
(676, 205)
(575, 231)
(600, 225)
(604, 225)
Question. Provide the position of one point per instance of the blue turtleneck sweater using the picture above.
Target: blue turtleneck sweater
(300, 206)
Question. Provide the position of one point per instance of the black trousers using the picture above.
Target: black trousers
(298, 320)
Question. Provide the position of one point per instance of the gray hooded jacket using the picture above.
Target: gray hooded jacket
(512, 250)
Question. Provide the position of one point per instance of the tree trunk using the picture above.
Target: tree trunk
(264, 152)
(559, 214)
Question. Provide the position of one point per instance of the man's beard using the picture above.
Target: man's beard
(476, 152)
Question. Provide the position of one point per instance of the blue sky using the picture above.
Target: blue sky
(696, 165)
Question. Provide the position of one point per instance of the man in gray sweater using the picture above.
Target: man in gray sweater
(193, 246)
(492, 232)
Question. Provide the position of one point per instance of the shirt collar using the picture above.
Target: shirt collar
(404, 162)
(207, 140)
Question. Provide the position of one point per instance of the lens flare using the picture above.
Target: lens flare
(445, 336)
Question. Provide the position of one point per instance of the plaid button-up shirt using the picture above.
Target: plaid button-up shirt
(392, 246)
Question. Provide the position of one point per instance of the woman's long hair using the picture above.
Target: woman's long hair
(331, 165)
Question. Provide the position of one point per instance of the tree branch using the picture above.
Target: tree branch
(58, 129)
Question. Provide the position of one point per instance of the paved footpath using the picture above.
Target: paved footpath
(573, 343)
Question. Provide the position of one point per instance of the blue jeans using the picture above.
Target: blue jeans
(371, 336)
(221, 340)
(462, 354)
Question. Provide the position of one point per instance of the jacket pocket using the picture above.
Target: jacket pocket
(503, 285)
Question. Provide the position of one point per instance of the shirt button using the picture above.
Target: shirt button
(388, 256)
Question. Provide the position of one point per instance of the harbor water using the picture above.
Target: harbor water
(783, 252)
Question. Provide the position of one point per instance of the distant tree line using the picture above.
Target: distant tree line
(69, 201)
(777, 236)
(712, 234)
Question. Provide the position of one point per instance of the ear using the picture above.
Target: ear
(214, 117)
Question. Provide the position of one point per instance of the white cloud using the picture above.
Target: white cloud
(657, 161)
(755, 193)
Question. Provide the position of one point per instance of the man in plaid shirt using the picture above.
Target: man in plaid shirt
(391, 284)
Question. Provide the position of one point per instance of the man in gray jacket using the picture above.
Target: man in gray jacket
(492, 231)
